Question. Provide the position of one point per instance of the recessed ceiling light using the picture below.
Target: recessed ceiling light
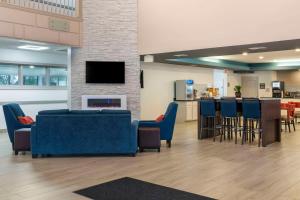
(245, 53)
(181, 55)
(33, 47)
(261, 57)
(31, 66)
(257, 48)
(297, 50)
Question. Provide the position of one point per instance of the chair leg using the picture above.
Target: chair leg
(244, 131)
(16, 152)
(169, 143)
(221, 130)
(214, 121)
(289, 125)
(201, 127)
(285, 125)
(235, 129)
(294, 125)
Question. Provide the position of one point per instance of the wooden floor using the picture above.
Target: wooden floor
(222, 171)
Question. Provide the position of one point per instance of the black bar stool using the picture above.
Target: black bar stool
(230, 118)
(208, 113)
(251, 115)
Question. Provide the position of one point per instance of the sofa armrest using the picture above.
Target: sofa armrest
(134, 132)
(33, 134)
(149, 124)
(19, 126)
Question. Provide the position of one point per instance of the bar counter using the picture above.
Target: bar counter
(270, 120)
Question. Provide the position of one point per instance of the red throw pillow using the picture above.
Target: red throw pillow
(160, 118)
(25, 120)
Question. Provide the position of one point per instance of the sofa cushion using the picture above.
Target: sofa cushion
(82, 112)
(54, 112)
(106, 111)
(160, 118)
(26, 120)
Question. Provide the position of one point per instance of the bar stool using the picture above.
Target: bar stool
(288, 118)
(251, 115)
(229, 118)
(208, 113)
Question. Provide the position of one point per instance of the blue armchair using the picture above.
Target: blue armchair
(11, 113)
(166, 125)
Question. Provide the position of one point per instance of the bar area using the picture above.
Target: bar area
(250, 120)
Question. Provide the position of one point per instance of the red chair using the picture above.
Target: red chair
(289, 118)
(297, 113)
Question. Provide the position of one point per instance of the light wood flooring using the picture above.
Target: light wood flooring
(218, 170)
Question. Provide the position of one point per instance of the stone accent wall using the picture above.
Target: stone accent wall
(109, 34)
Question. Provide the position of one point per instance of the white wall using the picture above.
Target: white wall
(24, 57)
(33, 95)
(173, 25)
(16, 95)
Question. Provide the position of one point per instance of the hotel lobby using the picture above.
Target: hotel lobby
(187, 100)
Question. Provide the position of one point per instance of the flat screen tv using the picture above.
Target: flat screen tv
(105, 72)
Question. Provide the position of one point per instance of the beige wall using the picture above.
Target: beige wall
(159, 84)
(30, 25)
(233, 79)
(172, 25)
(264, 77)
(159, 80)
(291, 80)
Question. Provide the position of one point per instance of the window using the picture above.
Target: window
(58, 76)
(33, 75)
(9, 74)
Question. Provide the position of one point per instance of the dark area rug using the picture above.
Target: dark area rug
(133, 189)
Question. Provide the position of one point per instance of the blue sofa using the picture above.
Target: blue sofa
(11, 113)
(166, 125)
(64, 132)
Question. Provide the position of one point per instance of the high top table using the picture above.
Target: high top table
(270, 120)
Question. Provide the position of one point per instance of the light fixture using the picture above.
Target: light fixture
(297, 50)
(31, 67)
(261, 57)
(181, 55)
(208, 59)
(33, 47)
(245, 53)
(257, 48)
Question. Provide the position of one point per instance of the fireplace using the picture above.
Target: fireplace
(99, 102)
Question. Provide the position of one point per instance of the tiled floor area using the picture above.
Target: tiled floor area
(222, 171)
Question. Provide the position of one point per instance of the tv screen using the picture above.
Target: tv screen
(105, 72)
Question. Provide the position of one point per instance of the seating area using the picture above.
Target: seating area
(86, 132)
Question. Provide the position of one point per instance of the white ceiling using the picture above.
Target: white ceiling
(274, 56)
(7, 43)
